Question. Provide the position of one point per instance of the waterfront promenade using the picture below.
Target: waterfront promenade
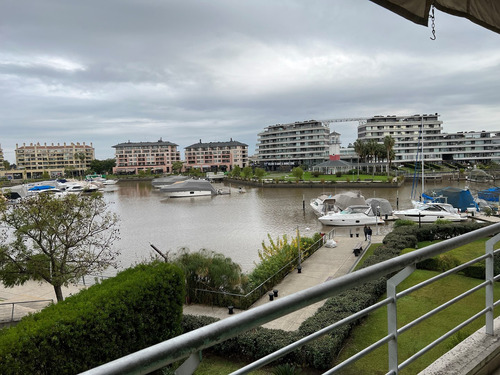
(325, 264)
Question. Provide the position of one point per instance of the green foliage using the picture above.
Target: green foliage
(247, 172)
(138, 308)
(102, 166)
(211, 271)
(57, 239)
(298, 172)
(403, 222)
(286, 369)
(259, 173)
(236, 172)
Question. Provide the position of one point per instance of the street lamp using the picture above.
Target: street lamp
(299, 267)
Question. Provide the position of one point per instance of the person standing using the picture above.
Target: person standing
(365, 230)
(369, 233)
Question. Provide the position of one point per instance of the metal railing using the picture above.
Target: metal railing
(192, 343)
(9, 314)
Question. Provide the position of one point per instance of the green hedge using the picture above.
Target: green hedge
(321, 353)
(139, 307)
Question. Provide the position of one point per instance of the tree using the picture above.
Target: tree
(259, 173)
(297, 172)
(177, 166)
(236, 172)
(389, 145)
(102, 166)
(6, 165)
(82, 157)
(247, 172)
(56, 239)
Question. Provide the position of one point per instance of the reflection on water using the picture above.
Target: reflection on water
(235, 225)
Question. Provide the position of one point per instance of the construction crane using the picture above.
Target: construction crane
(361, 120)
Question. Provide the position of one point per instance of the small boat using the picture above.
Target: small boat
(352, 215)
(429, 213)
(189, 188)
(322, 204)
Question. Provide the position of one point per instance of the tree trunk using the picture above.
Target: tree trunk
(59, 295)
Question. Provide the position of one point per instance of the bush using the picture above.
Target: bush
(136, 309)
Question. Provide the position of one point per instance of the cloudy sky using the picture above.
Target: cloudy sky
(105, 72)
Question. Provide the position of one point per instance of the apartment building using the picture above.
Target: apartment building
(220, 156)
(158, 157)
(422, 134)
(285, 146)
(56, 160)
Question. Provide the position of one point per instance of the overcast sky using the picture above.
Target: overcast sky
(106, 72)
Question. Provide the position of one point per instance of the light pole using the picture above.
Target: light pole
(299, 267)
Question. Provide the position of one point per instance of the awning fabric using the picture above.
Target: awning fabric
(485, 13)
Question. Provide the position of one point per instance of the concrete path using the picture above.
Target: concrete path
(323, 265)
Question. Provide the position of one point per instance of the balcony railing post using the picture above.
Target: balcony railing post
(489, 275)
(392, 315)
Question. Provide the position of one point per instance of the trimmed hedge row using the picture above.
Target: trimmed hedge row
(320, 353)
(139, 307)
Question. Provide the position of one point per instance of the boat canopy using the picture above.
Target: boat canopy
(41, 187)
(457, 197)
(380, 205)
(350, 198)
(189, 185)
(490, 195)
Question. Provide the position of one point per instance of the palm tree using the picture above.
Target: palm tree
(389, 145)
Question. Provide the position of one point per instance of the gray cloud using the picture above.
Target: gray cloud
(107, 72)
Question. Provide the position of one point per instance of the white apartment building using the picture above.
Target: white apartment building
(158, 157)
(213, 156)
(285, 146)
(422, 134)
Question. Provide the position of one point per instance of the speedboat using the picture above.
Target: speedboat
(322, 204)
(352, 215)
(429, 213)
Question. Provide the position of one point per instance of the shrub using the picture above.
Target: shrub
(402, 222)
(136, 309)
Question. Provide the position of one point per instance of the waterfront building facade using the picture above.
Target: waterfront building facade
(286, 146)
(157, 157)
(418, 135)
(56, 160)
(216, 156)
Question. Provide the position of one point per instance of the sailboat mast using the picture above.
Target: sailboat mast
(422, 153)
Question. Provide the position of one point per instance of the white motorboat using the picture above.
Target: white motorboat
(189, 188)
(429, 213)
(352, 215)
(323, 204)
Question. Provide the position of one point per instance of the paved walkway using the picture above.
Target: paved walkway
(323, 265)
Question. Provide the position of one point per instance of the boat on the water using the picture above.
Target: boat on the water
(189, 188)
(168, 180)
(429, 213)
(352, 215)
(457, 197)
(322, 204)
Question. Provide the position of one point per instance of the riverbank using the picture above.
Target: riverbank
(315, 184)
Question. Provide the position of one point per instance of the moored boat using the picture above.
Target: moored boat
(352, 215)
(189, 188)
(429, 213)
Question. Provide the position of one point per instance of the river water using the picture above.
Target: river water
(235, 224)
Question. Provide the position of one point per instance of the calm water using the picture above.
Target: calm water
(235, 224)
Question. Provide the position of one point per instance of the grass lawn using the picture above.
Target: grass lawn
(327, 177)
(410, 307)
(214, 365)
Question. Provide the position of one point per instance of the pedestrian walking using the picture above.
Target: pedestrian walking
(365, 230)
(369, 233)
